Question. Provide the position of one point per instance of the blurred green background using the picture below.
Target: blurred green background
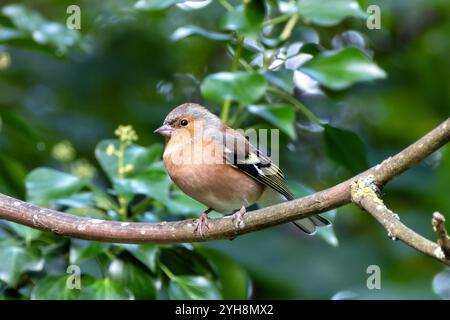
(127, 70)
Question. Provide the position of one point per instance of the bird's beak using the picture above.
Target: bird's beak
(165, 130)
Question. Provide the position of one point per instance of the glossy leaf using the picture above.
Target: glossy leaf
(234, 280)
(26, 233)
(31, 26)
(246, 18)
(244, 87)
(329, 12)
(84, 249)
(282, 116)
(56, 288)
(133, 277)
(153, 183)
(106, 289)
(16, 259)
(187, 31)
(140, 158)
(44, 185)
(441, 284)
(283, 79)
(193, 288)
(340, 69)
(145, 253)
(346, 149)
(155, 5)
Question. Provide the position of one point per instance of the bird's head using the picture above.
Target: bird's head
(188, 118)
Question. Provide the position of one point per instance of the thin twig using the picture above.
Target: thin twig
(365, 193)
(443, 241)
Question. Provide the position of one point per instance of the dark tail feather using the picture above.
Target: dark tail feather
(308, 225)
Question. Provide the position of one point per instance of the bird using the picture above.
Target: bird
(218, 166)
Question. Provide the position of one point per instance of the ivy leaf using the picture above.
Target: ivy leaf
(32, 28)
(181, 204)
(106, 289)
(187, 31)
(283, 79)
(340, 69)
(441, 284)
(153, 183)
(345, 148)
(44, 185)
(16, 259)
(193, 288)
(145, 253)
(246, 18)
(81, 250)
(155, 5)
(244, 87)
(133, 277)
(26, 233)
(329, 12)
(280, 115)
(55, 288)
(140, 158)
(234, 279)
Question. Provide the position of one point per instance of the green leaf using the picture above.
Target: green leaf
(441, 284)
(106, 289)
(155, 5)
(56, 288)
(32, 27)
(153, 183)
(329, 12)
(187, 31)
(181, 204)
(283, 79)
(44, 185)
(245, 18)
(145, 253)
(345, 148)
(26, 233)
(340, 69)
(280, 115)
(133, 277)
(140, 158)
(244, 87)
(234, 279)
(16, 259)
(193, 288)
(84, 249)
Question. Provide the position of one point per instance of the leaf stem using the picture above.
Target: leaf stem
(276, 20)
(297, 105)
(226, 5)
(287, 31)
(234, 67)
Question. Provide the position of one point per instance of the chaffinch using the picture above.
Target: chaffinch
(219, 167)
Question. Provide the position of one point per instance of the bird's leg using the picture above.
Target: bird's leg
(237, 217)
(202, 222)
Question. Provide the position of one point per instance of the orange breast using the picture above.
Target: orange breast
(216, 185)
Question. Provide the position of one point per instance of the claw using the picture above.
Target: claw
(201, 223)
(237, 218)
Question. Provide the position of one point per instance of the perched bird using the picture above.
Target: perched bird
(219, 167)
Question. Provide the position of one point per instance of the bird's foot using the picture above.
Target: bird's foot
(237, 218)
(201, 223)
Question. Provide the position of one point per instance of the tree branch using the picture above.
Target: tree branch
(365, 193)
(443, 241)
(183, 231)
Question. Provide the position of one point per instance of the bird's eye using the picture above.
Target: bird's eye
(184, 122)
